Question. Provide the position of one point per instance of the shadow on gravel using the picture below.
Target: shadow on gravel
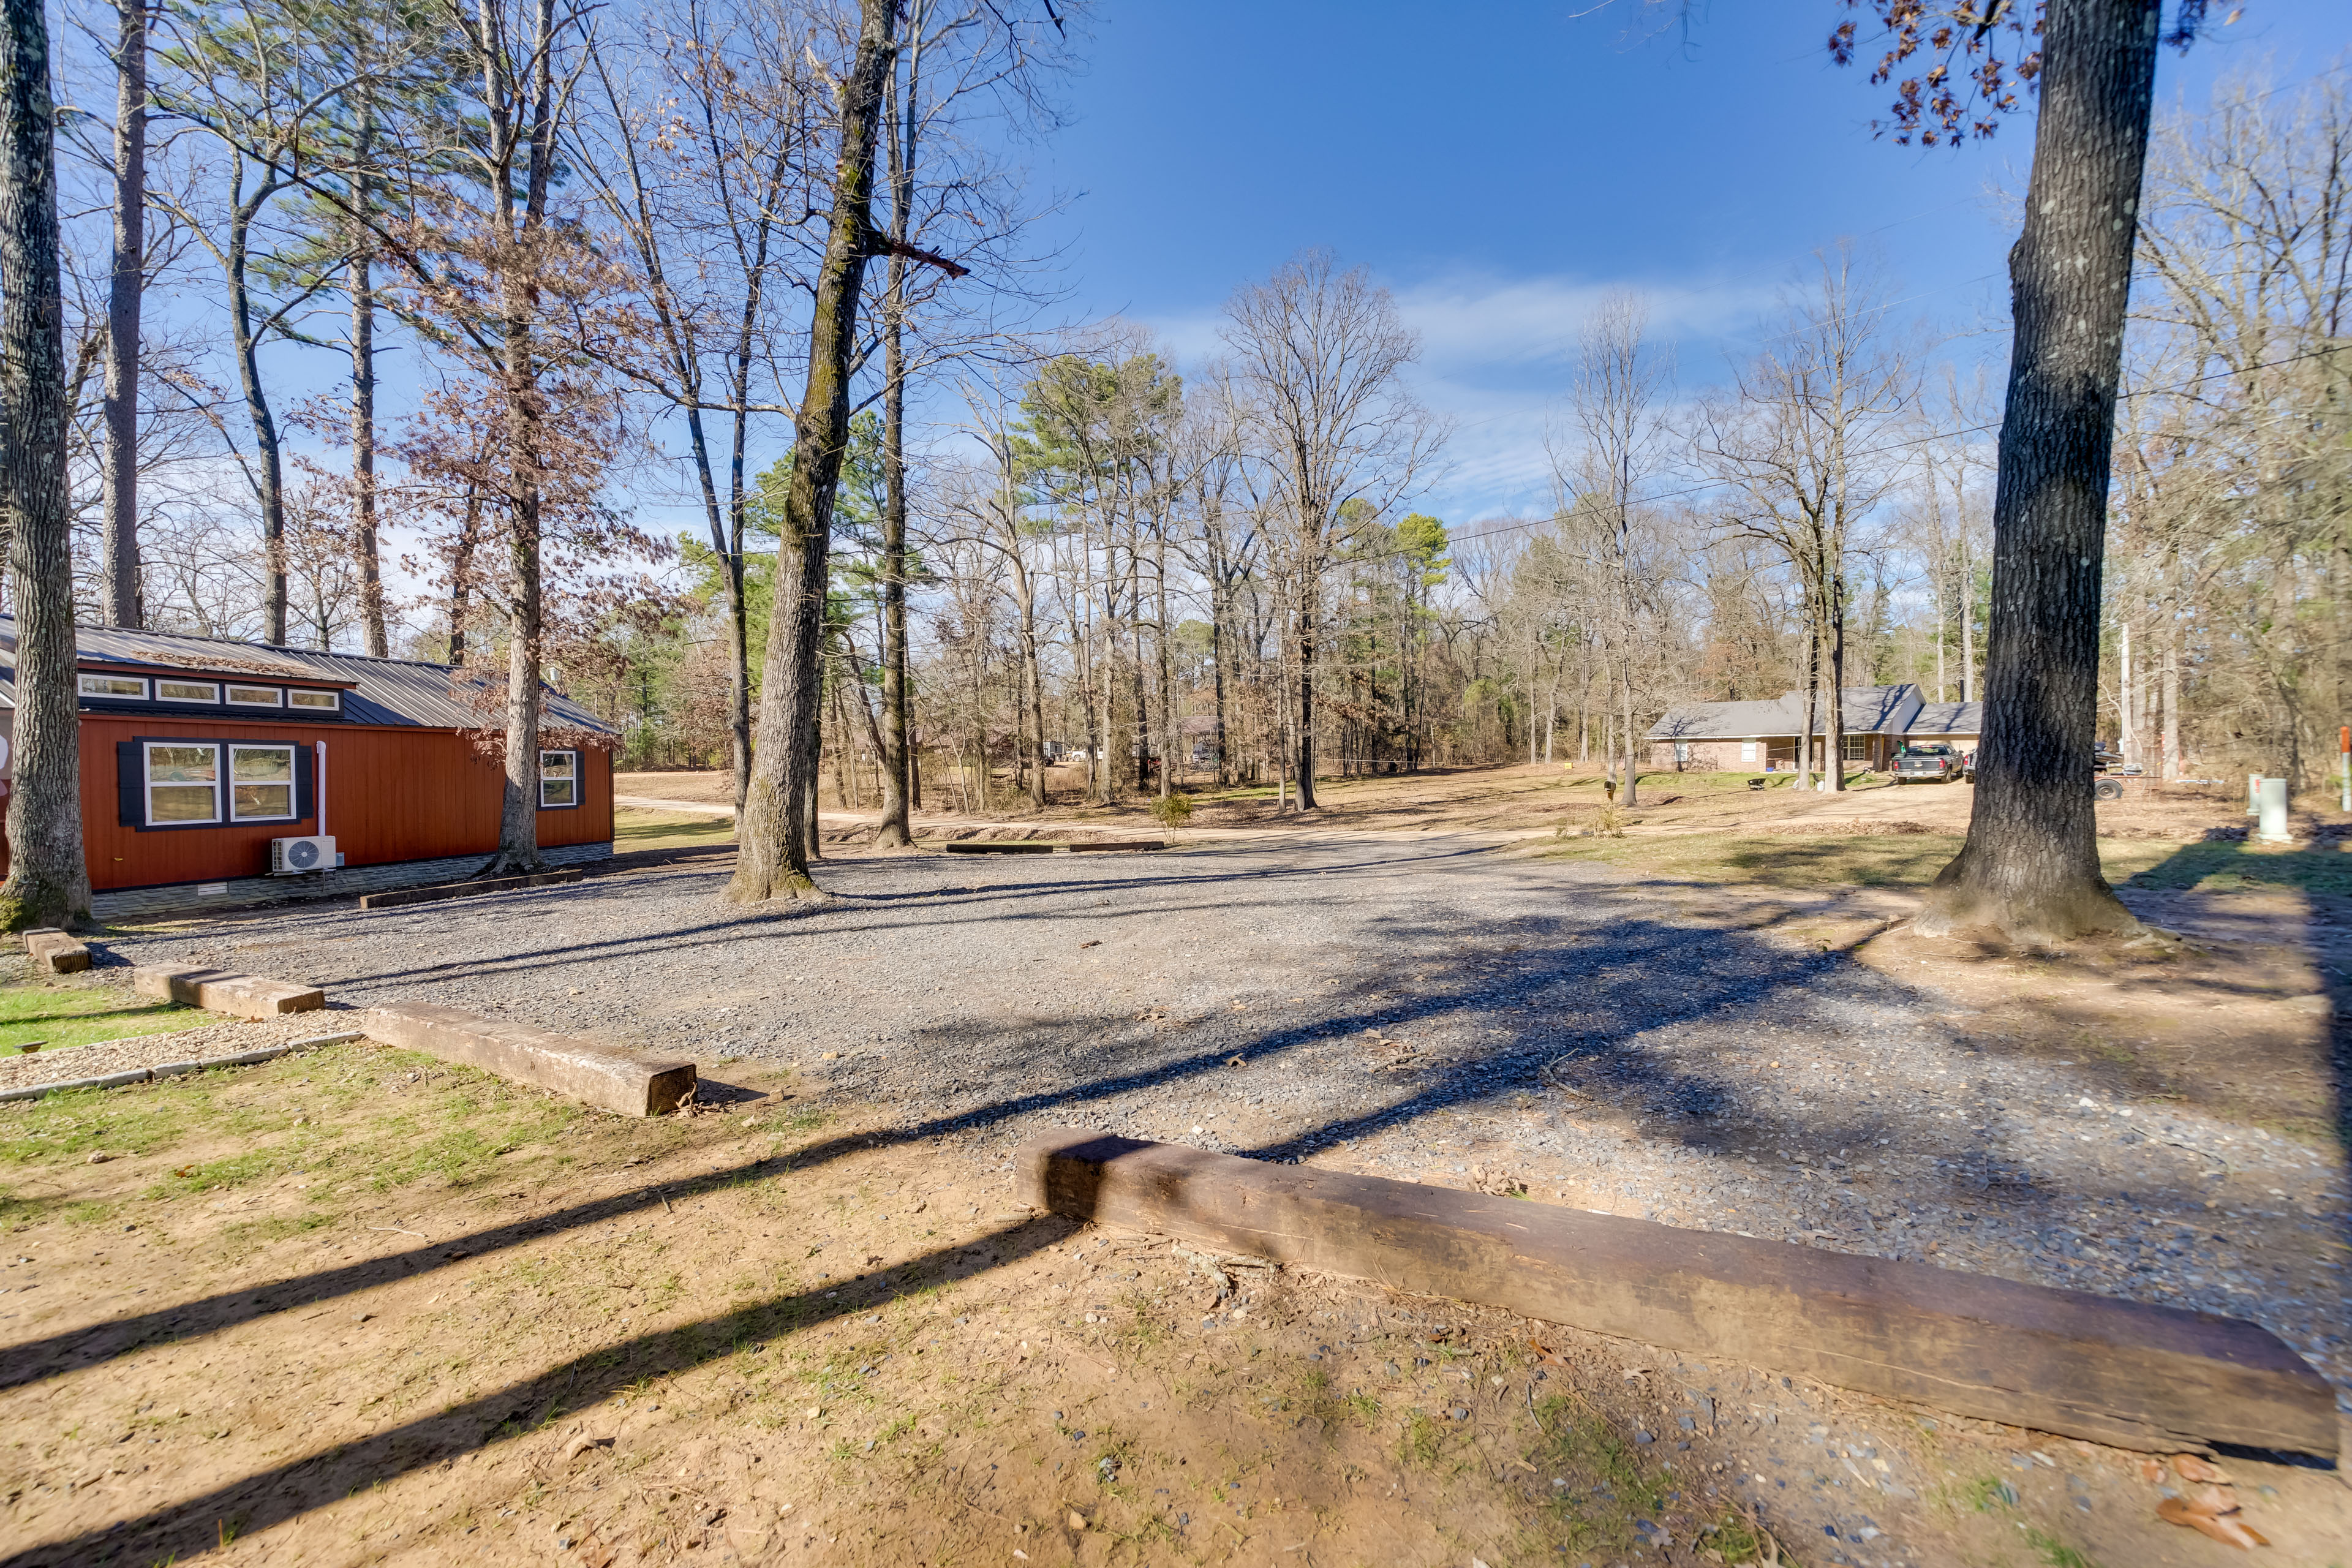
(997, 900)
(1584, 991)
(177, 1532)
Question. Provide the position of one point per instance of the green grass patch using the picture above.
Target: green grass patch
(63, 1013)
(367, 1120)
(634, 828)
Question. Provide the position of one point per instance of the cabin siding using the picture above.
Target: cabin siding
(392, 794)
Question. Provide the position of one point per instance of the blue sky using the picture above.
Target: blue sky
(1498, 165)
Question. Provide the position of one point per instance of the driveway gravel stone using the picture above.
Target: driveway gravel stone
(1415, 1007)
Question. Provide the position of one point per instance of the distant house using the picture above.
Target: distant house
(1880, 721)
(204, 762)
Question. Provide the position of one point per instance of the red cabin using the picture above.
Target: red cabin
(228, 772)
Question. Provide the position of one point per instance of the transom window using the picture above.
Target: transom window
(187, 691)
(118, 686)
(261, 783)
(559, 779)
(183, 783)
(256, 697)
(331, 701)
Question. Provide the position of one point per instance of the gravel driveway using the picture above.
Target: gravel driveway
(1391, 1005)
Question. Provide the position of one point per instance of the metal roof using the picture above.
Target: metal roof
(1949, 718)
(394, 692)
(1868, 711)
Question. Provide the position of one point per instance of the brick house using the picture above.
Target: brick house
(1880, 721)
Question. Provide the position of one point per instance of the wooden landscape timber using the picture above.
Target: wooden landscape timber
(402, 897)
(610, 1078)
(1042, 847)
(2121, 1372)
(223, 991)
(59, 952)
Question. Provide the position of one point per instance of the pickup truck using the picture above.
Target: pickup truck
(1941, 765)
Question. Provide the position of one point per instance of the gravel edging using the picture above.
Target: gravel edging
(205, 1042)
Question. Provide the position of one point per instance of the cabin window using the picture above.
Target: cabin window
(256, 697)
(1857, 748)
(261, 783)
(120, 687)
(182, 784)
(187, 691)
(331, 701)
(559, 779)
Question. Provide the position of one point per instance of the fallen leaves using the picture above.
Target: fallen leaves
(1496, 1181)
(2227, 1526)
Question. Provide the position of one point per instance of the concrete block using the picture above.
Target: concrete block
(2137, 1376)
(59, 952)
(610, 1078)
(221, 991)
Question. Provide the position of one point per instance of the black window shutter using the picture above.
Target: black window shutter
(131, 782)
(306, 782)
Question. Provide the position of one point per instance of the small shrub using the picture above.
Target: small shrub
(1173, 810)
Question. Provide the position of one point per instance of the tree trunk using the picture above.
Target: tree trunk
(269, 483)
(123, 605)
(897, 831)
(1835, 745)
(1813, 699)
(461, 576)
(363, 487)
(1302, 744)
(773, 859)
(2030, 864)
(48, 881)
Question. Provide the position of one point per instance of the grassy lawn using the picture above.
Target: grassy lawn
(59, 1014)
(634, 828)
(356, 1120)
(1912, 860)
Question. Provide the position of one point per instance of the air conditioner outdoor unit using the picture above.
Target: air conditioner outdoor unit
(293, 856)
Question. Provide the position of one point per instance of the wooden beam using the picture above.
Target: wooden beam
(400, 898)
(223, 991)
(2115, 1372)
(610, 1078)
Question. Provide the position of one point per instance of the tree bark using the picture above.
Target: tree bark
(363, 487)
(123, 600)
(49, 879)
(896, 830)
(2030, 866)
(1302, 744)
(772, 862)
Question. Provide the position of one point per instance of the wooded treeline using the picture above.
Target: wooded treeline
(590, 243)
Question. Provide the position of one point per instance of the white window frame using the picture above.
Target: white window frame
(83, 686)
(277, 696)
(1748, 750)
(147, 783)
(573, 779)
(333, 702)
(293, 784)
(210, 688)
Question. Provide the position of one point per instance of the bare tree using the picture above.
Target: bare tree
(774, 828)
(1796, 446)
(1319, 354)
(1616, 406)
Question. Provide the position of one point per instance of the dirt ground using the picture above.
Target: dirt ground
(1532, 797)
(360, 1307)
